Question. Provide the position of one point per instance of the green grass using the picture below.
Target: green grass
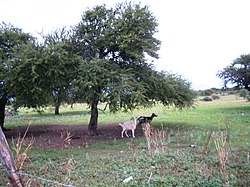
(109, 163)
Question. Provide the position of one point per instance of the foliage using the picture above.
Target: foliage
(209, 92)
(114, 43)
(134, 31)
(214, 97)
(206, 99)
(42, 73)
(244, 94)
(61, 66)
(124, 34)
(107, 40)
(104, 81)
(27, 81)
(10, 39)
(238, 73)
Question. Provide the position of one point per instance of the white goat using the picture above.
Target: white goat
(130, 125)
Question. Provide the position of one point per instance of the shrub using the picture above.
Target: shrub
(245, 94)
(214, 97)
(206, 99)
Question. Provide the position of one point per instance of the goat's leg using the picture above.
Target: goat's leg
(133, 133)
(122, 132)
(126, 133)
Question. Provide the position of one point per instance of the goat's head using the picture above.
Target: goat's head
(153, 115)
(133, 118)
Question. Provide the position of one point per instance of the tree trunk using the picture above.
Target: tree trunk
(247, 87)
(2, 111)
(92, 129)
(9, 162)
(57, 103)
(57, 109)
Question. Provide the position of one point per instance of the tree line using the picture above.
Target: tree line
(102, 59)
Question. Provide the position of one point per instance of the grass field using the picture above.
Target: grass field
(169, 162)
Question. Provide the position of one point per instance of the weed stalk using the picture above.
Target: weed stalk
(155, 139)
(222, 145)
(21, 152)
(207, 142)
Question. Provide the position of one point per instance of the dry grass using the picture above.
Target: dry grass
(66, 138)
(223, 147)
(21, 149)
(156, 139)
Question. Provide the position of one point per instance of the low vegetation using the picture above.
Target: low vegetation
(204, 146)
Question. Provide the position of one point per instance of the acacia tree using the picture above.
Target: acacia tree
(237, 73)
(61, 65)
(43, 72)
(113, 44)
(28, 81)
(10, 39)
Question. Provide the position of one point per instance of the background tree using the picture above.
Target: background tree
(237, 73)
(114, 44)
(42, 73)
(10, 38)
(28, 82)
(61, 65)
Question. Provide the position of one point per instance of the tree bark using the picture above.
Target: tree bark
(247, 87)
(92, 128)
(2, 111)
(9, 162)
(57, 109)
(57, 103)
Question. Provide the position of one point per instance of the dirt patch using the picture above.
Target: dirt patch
(49, 136)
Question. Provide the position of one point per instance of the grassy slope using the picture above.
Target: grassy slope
(107, 164)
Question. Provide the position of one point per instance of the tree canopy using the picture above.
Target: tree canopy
(10, 39)
(42, 73)
(237, 73)
(114, 44)
(61, 66)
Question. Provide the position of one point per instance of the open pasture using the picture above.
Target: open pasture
(203, 146)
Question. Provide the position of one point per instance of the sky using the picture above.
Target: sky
(199, 37)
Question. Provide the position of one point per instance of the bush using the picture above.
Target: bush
(245, 94)
(207, 99)
(214, 97)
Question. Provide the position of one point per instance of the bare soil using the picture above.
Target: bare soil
(50, 136)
